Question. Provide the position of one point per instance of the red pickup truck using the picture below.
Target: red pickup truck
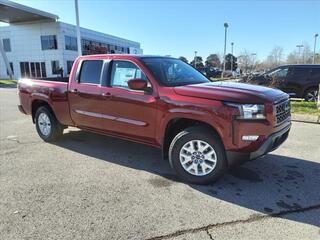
(201, 126)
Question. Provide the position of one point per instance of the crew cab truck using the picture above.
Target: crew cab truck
(202, 127)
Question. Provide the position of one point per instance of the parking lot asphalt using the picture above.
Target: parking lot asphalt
(88, 186)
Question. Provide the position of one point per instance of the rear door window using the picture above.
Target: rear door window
(91, 72)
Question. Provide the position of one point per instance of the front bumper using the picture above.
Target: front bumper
(270, 144)
(21, 109)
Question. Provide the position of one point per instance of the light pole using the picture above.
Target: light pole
(314, 48)
(225, 48)
(78, 28)
(232, 56)
(195, 59)
(253, 55)
(299, 51)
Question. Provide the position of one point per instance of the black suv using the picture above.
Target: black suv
(301, 81)
(210, 72)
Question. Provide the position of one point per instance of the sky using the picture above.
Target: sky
(180, 27)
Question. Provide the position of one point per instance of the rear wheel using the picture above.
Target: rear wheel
(311, 95)
(197, 155)
(48, 127)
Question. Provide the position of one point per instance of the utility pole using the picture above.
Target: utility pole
(225, 48)
(78, 28)
(299, 52)
(195, 59)
(253, 55)
(314, 48)
(232, 56)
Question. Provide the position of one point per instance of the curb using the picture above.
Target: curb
(305, 118)
(8, 85)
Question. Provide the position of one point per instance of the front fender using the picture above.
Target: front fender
(210, 118)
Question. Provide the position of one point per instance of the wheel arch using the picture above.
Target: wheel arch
(176, 125)
(39, 103)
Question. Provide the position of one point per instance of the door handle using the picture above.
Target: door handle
(74, 90)
(106, 95)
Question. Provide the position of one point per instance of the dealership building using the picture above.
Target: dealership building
(35, 44)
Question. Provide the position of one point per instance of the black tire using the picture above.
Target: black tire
(56, 129)
(202, 134)
(311, 95)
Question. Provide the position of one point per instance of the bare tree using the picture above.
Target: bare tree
(292, 58)
(275, 57)
(244, 60)
(307, 53)
(305, 56)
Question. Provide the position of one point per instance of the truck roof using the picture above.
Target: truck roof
(122, 55)
(302, 65)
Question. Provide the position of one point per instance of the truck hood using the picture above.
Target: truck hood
(232, 92)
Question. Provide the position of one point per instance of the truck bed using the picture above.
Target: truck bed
(53, 91)
(53, 79)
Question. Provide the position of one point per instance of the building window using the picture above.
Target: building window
(33, 70)
(55, 67)
(93, 47)
(49, 42)
(91, 71)
(38, 69)
(43, 69)
(6, 45)
(25, 69)
(69, 66)
(11, 66)
(71, 43)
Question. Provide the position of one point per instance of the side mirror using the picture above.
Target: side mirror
(137, 84)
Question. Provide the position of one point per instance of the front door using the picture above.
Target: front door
(133, 112)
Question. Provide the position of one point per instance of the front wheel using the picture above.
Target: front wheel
(48, 127)
(197, 155)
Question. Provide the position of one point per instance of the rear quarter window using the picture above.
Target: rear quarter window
(300, 72)
(90, 72)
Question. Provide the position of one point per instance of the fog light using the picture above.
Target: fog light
(250, 137)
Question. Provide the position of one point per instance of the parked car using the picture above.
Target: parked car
(301, 81)
(201, 126)
(213, 72)
(210, 72)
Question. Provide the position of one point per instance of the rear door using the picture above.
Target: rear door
(315, 76)
(86, 98)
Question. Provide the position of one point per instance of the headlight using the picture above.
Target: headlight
(249, 111)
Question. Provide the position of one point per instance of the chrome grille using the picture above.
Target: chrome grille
(282, 112)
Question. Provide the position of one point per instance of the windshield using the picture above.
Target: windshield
(173, 72)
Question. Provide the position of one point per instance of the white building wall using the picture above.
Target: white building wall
(25, 40)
